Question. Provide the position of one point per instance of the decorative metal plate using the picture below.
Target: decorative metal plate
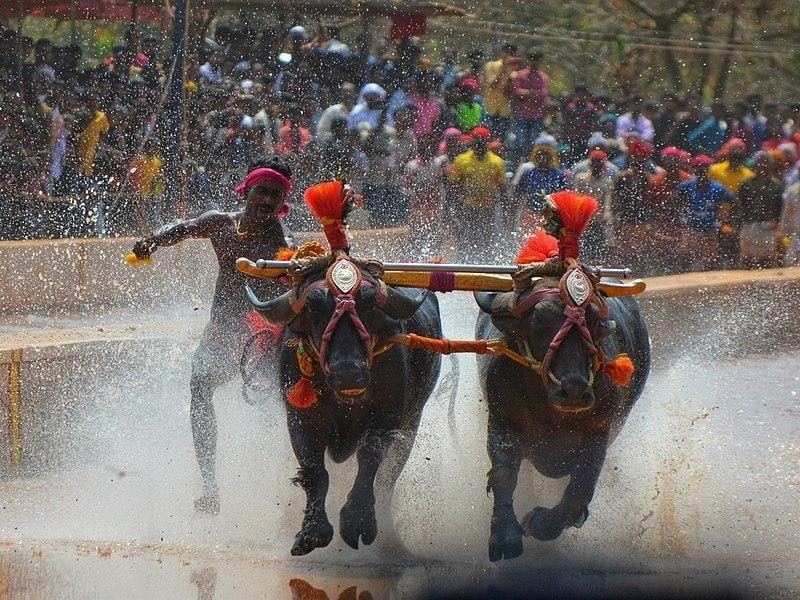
(578, 287)
(344, 276)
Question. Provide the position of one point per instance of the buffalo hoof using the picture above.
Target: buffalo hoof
(505, 541)
(207, 504)
(312, 536)
(357, 520)
(547, 524)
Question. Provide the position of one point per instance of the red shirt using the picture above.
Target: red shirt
(533, 106)
(288, 143)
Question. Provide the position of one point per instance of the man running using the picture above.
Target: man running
(255, 232)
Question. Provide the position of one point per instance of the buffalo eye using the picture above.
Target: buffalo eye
(317, 301)
(604, 328)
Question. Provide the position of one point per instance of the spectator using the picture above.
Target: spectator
(665, 119)
(711, 134)
(596, 181)
(580, 122)
(789, 229)
(370, 108)
(756, 214)
(634, 122)
(687, 121)
(469, 114)
(293, 137)
(429, 109)
(630, 233)
(497, 85)
(480, 177)
(531, 89)
(544, 178)
(755, 120)
(663, 209)
(702, 198)
(731, 172)
(424, 183)
(342, 109)
(740, 129)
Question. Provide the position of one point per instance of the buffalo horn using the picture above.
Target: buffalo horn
(400, 306)
(278, 311)
(494, 303)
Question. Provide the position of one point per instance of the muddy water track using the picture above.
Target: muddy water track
(700, 491)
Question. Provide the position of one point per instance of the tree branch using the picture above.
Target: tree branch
(642, 9)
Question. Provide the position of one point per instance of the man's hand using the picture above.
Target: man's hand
(143, 249)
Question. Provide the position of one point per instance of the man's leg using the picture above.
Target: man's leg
(213, 365)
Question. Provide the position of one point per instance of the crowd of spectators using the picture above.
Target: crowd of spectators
(462, 149)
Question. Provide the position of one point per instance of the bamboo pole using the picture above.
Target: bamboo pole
(269, 266)
(467, 281)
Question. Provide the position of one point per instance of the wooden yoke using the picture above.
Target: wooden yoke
(469, 282)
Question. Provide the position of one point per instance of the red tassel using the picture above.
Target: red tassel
(303, 395)
(539, 247)
(285, 254)
(620, 370)
(574, 210)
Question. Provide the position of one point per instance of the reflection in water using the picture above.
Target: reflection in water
(302, 590)
(206, 582)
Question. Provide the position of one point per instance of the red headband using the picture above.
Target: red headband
(261, 175)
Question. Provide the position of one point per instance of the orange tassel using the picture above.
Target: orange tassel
(620, 370)
(539, 247)
(285, 254)
(326, 201)
(303, 395)
(574, 209)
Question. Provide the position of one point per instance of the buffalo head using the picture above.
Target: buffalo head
(343, 313)
(535, 321)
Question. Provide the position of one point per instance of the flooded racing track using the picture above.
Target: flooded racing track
(699, 494)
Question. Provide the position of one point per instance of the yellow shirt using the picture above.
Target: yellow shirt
(87, 143)
(496, 89)
(731, 179)
(479, 178)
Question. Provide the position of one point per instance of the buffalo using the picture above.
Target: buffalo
(363, 395)
(557, 406)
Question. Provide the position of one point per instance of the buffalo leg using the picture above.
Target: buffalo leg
(312, 476)
(505, 539)
(573, 509)
(357, 518)
(391, 468)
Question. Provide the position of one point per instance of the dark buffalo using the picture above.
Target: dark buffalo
(370, 401)
(564, 425)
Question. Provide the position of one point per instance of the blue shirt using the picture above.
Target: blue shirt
(708, 137)
(703, 204)
(535, 184)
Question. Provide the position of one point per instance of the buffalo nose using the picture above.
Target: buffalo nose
(575, 394)
(348, 375)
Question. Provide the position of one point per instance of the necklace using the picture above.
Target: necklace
(239, 233)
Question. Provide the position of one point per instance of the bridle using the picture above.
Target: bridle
(343, 280)
(578, 291)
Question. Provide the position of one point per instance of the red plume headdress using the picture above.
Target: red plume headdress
(330, 202)
(571, 214)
